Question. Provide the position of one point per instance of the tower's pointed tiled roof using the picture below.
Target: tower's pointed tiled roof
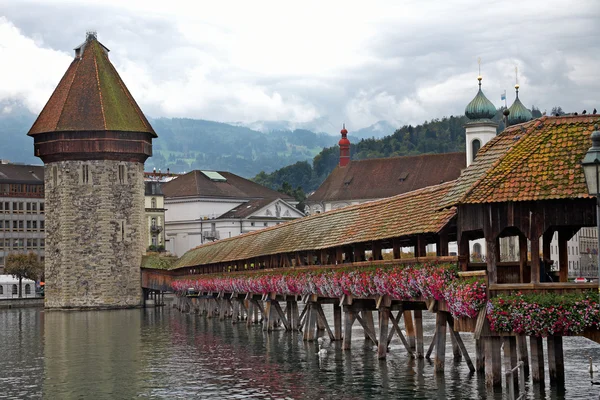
(91, 97)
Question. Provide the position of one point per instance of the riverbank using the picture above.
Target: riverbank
(22, 303)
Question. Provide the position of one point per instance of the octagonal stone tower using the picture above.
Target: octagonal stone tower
(93, 139)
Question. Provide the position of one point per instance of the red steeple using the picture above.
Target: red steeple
(344, 148)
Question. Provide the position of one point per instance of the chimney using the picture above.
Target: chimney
(344, 148)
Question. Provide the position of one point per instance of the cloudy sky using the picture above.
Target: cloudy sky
(321, 62)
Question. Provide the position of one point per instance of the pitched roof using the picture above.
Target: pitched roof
(91, 97)
(536, 160)
(385, 177)
(196, 183)
(402, 215)
(18, 173)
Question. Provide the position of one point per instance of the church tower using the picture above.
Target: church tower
(344, 144)
(93, 139)
(518, 113)
(480, 129)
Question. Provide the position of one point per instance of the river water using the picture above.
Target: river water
(161, 353)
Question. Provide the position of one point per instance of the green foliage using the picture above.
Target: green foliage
(23, 266)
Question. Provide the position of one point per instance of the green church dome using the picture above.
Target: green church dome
(480, 107)
(518, 112)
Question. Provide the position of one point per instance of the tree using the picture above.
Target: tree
(21, 265)
(557, 110)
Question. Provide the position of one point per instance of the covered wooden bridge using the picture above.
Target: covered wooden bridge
(527, 182)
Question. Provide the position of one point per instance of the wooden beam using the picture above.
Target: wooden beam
(523, 259)
(442, 243)
(563, 258)
(367, 317)
(490, 260)
(493, 364)
(419, 353)
(460, 343)
(522, 353)
(431, 345)
(337, 321)
(421, 248)
(463, 252)
(384, 317)
(349, 317)
(537, 359)
(440, 345)
(396, 328)
(410, 330)
(359, 252)
(376, 250)
(321, 316)
(396, 248)
(535, 257)
(556, 364)
(479, 355)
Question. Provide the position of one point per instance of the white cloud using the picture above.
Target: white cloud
(27, 69)
(335, 61)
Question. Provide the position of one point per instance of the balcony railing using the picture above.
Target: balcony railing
(156, 229)
(210, 235)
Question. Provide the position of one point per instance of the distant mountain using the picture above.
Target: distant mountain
(377, 131)
(186, 144)
(321, 125)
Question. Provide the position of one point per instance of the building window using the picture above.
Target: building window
(1, 289)
(475, 146)
(251, 223)
(14, 289)
(42, 243)
(28, 208)
(28, 289)
(34, 207)
(153, 223)
(42, 226)
(477, 249)
(153, 203)
(41, 208)
(266, 224)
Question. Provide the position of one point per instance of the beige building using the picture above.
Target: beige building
(154, 217)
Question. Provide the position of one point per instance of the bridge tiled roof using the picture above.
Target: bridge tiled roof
(536, 160)
(399, 216)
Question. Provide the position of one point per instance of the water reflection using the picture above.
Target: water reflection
(160, 353)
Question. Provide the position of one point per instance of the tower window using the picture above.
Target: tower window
(85, 174)
(153, 203)
(475, 146)
(121, 174)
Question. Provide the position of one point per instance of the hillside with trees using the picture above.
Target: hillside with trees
(443, 135)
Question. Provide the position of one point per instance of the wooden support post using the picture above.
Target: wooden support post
(463, 252)
(431, 345)
(493, 364)
(420, 249)
(339, 255)
(323, 257)
(510, 381)
(410, 330)
(491, 261)
(281, 315)
(367, 317)
(384, 317)
(311, 328)
(397, 330)
(267, 320)
(337, 321)
(349, 317)
(462, 350)
(396, 248)
(556, 364)
(455, 349)
(323, 320)
(376, 250)
(419, 353)
(563, 258)
(440, 345)
(479, 355)
(523, 259)
(522, 354)
(441, 246)
(535, 258)
(359, 252)
(537, 359)
(250, 307)
(368, 329)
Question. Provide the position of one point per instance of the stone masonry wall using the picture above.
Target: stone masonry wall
(94, 234)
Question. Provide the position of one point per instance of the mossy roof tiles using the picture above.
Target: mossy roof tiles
(91, 96)
(537, 160)
(403, 215)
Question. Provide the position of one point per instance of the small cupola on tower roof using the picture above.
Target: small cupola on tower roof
(480, 108)
(344, 144)
(518, 113)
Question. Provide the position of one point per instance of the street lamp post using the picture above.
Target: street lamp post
(591, 169)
